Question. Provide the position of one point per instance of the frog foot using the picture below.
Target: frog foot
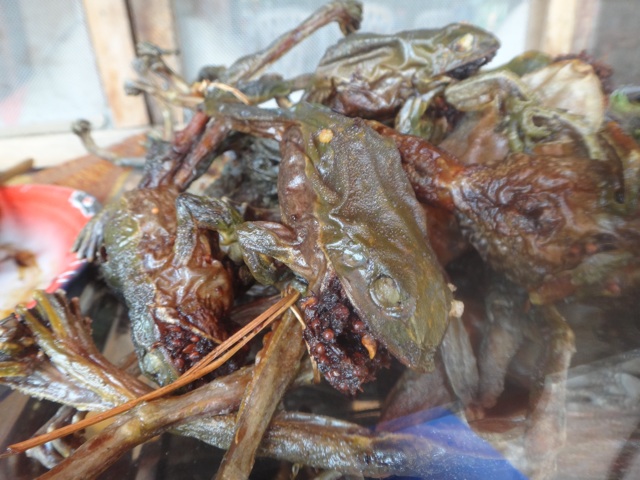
(82, 128)
(91, 238)
(198, 212)
(531, 123)
(47, 352)
(349, 14)
(345, 351)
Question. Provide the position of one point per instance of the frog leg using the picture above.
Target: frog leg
(188, 156)
(91, 238)
(159, 80)
(502, 337)
(171, 89)
(527, 120)
(194, 213)
(460, 363)
(47, 351)
(499, 90)
(150, 59)
(82, 128)
(266, 245)
(531, 123)
(480, 91)
(410, 119)
(545, 431)
(347, 13)
(174, 90)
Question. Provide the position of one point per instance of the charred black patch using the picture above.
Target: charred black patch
(184, 347)
(336, 337)
(468, 69)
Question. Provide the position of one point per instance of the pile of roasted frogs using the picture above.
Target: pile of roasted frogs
(419, 218)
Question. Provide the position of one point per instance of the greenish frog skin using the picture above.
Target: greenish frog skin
(348, 211)
(178, 294)
(371, 75)
(624, 107)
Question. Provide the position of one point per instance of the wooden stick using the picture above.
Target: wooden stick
(110, 31)
(209, 363)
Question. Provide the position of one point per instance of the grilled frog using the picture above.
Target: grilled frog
(371, 75)
(353, 238)
(558, 226)
(178, 298)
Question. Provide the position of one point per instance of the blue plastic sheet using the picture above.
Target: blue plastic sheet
(464, 455)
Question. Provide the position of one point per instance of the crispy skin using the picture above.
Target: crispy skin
(543, 220)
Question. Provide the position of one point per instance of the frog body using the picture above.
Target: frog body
(348, 213)
(371, 75)
(178, 298)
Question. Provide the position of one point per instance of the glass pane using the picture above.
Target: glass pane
(48, 75)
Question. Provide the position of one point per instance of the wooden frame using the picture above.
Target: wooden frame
(159, 29)
(561, 26)
(110, 31)
(115, 27)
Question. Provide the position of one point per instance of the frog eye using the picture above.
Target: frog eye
(385, 292)
(464, 43)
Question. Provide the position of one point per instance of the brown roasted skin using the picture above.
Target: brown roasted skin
(548, 213)
(348, 212)
(178, 300)
(552, 224)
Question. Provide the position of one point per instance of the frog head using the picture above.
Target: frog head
(457, 50)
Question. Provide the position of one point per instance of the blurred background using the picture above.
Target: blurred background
(65, 59)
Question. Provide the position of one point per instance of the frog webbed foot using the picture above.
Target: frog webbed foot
(527, 120)
(266, 248)
(91, 238)
(411, 118)
(414, 119)
(531, 124)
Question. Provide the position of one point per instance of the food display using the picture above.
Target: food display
(405, 224)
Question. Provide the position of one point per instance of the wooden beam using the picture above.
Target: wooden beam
(110, 30)
(153, 21)
(584, 35)
(552, 25)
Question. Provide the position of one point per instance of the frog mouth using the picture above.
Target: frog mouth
(470, 68)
